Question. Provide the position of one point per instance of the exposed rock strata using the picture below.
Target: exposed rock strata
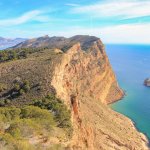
(86, 83)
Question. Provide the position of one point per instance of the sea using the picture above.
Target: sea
(131, 63)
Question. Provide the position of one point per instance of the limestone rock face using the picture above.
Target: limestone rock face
(86, 83)
(88, 74)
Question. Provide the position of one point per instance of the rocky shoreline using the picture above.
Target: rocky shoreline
(145, 139)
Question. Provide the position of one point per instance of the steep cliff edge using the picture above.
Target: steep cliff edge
(86, 83)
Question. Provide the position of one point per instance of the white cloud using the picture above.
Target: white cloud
(114, 8)
(26, 17)
(72, 4)
(135, 33)
(131, 33)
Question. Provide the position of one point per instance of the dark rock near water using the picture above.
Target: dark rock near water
(147, 82)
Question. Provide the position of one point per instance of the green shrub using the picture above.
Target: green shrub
(9, 113)
(7, 139)
(2, 102)
(38, 114)
(17, 87)
(26, 86)
(17, 124)
(14, 131)
(2, 87)
(62, 114)
(19, 53)
(43, 117)
(7, 101)
(9, 143)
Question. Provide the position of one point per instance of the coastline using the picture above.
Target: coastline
(120, 99)
(146, 141)
(144, 137)
(131, 63)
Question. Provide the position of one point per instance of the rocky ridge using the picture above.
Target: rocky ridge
(58, 42)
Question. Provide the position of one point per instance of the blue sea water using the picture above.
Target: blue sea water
(131, 64)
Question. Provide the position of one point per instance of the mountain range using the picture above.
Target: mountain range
(58, 42)
(7, 42)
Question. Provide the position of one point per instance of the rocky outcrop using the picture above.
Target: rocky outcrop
(147, 82)
(86, 83)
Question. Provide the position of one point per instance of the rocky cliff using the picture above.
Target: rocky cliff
(86, 83)
(86, 73)
(78, 71)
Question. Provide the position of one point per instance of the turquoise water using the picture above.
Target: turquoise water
(131, 64)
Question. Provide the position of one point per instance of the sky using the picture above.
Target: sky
(114, 21)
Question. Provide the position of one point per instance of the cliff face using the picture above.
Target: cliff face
(86, 83)
(88, 74)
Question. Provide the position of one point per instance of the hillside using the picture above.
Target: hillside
(72, 80)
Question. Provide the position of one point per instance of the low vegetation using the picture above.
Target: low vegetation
(22, 87)
(19, 125)
(29, 119)
(20, 53)
(19, 88)
(3, 87)
(60, 111)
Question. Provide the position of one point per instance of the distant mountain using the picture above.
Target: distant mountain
(58, 42)
(6, 42)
